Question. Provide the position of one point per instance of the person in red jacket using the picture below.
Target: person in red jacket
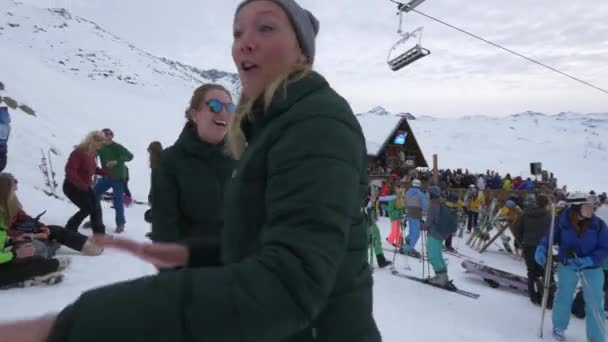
(77, 186)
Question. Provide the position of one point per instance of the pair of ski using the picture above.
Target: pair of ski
(451, 287)
(45, 280)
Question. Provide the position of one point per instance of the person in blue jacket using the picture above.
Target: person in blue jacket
(416, 204)
(528, 184)
(582, 238)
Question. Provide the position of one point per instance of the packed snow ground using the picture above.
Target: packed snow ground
(404, 310)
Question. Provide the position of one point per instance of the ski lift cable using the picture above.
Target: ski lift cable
(511, 51)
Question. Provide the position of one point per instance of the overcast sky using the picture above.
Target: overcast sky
(462, 75)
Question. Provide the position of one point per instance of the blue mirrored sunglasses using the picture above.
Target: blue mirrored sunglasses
(216, 106)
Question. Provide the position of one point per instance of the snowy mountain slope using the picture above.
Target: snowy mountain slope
(403, 309)
(570, 145)
(77, 77)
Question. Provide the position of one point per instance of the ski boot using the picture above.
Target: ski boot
(382, 262)
(559, 335)
(64, 263)
(440, 279)
(120, 229)
(450, 249)
(412, 253)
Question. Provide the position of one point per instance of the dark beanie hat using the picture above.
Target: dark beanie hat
(304, 23)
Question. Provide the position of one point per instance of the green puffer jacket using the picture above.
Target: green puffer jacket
(188, 195)
(4, 256)
(120, 154)
(294, 244)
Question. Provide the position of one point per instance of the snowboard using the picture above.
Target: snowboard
(495, 277)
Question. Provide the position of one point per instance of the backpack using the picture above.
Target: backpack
(448, 219)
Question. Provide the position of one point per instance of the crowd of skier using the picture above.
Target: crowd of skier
(290, 262)
(580, 235)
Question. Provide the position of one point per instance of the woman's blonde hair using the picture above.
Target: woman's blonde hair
(92, 138)
(9, 204)
(235, 138)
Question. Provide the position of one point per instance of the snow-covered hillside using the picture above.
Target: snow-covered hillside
(568, 144)
(78, 77)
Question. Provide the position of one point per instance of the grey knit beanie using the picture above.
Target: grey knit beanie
(305, 24)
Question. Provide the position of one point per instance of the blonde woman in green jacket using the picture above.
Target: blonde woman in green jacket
(294, 244)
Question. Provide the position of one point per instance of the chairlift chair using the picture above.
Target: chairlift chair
(413, 54)
(409, 56)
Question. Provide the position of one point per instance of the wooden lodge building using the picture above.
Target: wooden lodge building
(391, 145)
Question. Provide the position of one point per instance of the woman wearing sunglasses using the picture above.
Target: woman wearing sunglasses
(187, 190)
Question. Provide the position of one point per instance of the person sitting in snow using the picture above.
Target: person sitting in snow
(24, 227)
(19, 264)
(416, 204)
(442, 221)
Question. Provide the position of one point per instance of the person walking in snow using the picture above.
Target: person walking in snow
(188, 185)
(77, 186)
(529, 229)
(582, 238)
(416, 204)
(113, 157)
(295, 242)
(442, 221)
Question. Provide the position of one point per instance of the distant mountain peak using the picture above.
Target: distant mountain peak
(379, 110)
(529, 113)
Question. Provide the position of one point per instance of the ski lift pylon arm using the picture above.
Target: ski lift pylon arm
(409, 6)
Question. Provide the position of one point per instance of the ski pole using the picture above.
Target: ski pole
(548, 269)
(589, 291)
(596, 313)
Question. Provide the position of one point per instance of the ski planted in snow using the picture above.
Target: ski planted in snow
(451, 287)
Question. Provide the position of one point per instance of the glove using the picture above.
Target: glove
(540, 255)
(580, 263)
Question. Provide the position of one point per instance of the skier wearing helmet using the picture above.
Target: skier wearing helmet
(582, 238)
(416, 204)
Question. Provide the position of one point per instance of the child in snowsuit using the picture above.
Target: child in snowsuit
(375, 238)
(442, 221)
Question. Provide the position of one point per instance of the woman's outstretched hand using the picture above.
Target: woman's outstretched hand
(161, 254)
(34, 330)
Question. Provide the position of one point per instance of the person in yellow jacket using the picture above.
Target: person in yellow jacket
(507, 184)
(512, 212)
(475, 202)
